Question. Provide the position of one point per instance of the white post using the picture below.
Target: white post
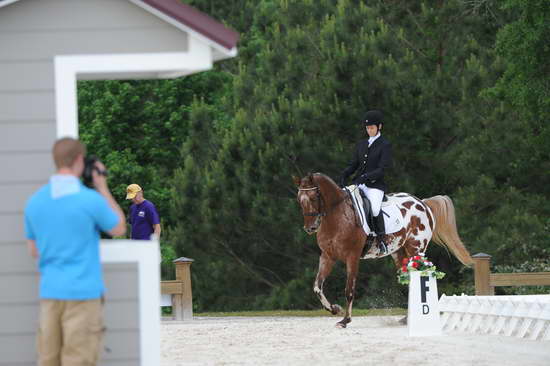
(423, 315)
(146, 254)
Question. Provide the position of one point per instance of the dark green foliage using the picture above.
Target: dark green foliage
(505, 164)
(137, 127)
(216, 151)
(524, 44)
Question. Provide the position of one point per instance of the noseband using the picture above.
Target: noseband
(320, 202)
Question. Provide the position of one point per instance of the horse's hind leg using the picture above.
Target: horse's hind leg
(325, 267)
(352, 266)
(398, 257)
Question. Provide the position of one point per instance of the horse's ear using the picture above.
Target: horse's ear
(310, 177)
(296, 180)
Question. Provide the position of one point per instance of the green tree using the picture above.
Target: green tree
(295, 106)
(467, 116)
(137, 127)
(505, 160)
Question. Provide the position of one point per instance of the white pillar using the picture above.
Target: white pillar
(423, 315)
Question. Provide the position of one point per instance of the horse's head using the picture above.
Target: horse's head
(311, 200)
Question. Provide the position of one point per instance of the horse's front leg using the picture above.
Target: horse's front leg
(352, 266)
(325, 267)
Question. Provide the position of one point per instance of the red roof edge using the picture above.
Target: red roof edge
(197, 21)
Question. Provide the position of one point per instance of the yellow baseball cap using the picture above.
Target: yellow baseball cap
(132, 190)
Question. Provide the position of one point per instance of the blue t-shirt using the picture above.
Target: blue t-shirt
(66, 231)
(142, 219)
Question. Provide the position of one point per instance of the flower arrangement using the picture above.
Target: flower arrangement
(417, 263)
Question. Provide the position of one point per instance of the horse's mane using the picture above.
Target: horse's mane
(321, 176)
(326, 184)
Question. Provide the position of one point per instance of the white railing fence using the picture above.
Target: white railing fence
(519, 316)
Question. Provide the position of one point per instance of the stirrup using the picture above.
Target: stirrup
(382, 246)
(369, 242)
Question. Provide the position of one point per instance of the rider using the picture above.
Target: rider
(371, 158)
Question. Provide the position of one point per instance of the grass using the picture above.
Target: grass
(304, 313)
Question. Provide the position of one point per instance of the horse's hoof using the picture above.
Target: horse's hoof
(336, 310)
(341, 325)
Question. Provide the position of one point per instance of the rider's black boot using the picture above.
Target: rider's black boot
(381, 233)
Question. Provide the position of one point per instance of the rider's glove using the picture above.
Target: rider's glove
(360, 180)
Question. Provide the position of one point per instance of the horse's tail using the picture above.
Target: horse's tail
(445, 232)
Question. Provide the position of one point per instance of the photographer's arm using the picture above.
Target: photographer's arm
(100, 183)
(157, 230)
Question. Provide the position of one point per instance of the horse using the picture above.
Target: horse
(328, 212)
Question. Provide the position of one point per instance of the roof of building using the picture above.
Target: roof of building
(175, 12)
(197, 20)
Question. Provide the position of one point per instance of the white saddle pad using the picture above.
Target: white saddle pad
(393, 219)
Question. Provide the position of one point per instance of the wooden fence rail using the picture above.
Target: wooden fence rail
(485, 281)
(180, 289)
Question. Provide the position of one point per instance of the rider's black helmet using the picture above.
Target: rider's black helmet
(373, 117)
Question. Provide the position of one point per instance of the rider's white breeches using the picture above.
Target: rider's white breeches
(375, 197)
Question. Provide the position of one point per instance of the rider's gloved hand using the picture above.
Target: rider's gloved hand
(360, 180)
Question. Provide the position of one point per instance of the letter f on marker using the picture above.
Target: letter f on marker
(424, 287)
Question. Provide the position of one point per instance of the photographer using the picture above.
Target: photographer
(62, 220)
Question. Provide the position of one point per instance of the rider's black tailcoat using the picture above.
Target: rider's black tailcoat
(370, 163)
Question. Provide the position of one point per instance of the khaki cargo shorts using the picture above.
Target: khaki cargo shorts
(70, 332)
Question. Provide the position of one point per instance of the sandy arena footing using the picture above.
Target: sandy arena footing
(316, 341)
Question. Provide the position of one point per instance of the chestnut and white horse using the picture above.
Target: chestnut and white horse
(328, 212)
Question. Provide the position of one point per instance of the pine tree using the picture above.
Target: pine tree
(305, 78)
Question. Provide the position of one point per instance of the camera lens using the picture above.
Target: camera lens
(89, 166)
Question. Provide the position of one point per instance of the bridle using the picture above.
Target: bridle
(320, 203)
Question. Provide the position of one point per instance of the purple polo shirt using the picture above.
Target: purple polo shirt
(142, 219)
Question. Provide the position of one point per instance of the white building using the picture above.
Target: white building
(45, 47)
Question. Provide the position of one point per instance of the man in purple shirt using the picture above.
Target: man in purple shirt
(143, 217)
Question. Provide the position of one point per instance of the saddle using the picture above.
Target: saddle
(392, 217)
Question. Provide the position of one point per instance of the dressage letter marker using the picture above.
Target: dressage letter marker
(423, 315)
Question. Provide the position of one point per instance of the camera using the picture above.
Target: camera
(89, 167)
